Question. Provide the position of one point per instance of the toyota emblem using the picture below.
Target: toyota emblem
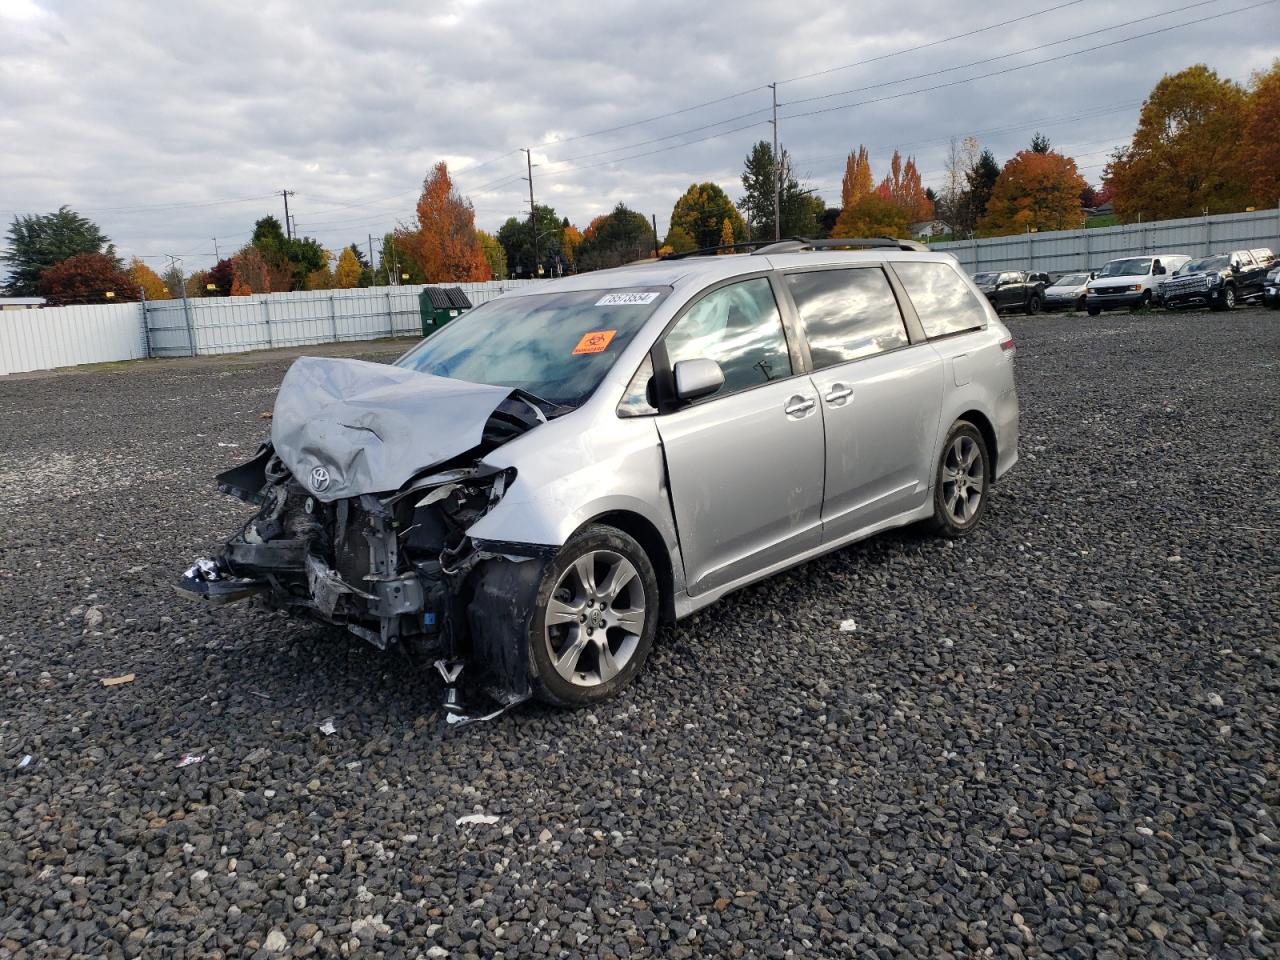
(319, 479)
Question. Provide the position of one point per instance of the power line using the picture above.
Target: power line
(1025, 66)
(1003, 56)
(931, 43)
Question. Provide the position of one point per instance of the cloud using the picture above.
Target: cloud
(155, 119)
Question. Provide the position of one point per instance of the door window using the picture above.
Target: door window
(846, 314)
(942, 299)
(740, 328)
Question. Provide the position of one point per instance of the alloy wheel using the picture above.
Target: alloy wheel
(964, 478)
(595, 618)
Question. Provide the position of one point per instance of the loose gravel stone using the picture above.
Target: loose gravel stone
(1020, 751)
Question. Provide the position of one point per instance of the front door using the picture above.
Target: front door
(746, 463)
(880, 396)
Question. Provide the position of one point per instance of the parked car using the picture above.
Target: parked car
(531, 490)
(1131, 282)
(1271, 291)
(1067, 292)
(1013, 289)
(1219, 281)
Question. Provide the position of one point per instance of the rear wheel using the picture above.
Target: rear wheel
(962, 481)
(596, 618)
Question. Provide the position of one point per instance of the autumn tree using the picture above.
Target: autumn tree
(147, 280)
(198, 285)
(902, 185)
(1035, 191)
(222, 276)
(252, 273)
(321, 278)
(347, 273)
(1187, 155)
(570, 240)
(726, 233)
(1262, 136)
(875, 215)
(39, 241)
(702, 211)
(857, 182)
(952, 203)
(444, 244)
(680, 240)
(86, 278)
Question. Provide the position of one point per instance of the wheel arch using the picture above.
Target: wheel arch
(984, 426)
(642, 530)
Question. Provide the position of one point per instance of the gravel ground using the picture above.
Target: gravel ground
(1056, 738)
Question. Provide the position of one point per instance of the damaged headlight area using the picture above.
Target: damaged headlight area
(394, 569)
(363, 506)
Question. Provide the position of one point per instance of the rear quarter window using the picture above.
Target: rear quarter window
(942, 299)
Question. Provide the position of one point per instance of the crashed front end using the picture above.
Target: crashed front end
(365, 495)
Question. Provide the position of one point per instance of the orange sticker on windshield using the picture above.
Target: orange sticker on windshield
(594, 342)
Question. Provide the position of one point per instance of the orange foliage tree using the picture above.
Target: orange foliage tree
(148, 281)
(445, 245)
(86, 278)
(1186, 155)
(904, 188)
(875, 215)
(252, 274)
(570, 240)
(857, 182)
(1039, 191)
(1262, 136)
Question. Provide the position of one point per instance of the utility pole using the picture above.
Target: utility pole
(777, 169)
(293, 221)
(370, 238)
(216, 255)
(533, 215)
(287, 228)
(653, 217)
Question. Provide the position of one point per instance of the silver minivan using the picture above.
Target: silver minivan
(527, 494)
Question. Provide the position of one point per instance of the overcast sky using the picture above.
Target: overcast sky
(158, 119)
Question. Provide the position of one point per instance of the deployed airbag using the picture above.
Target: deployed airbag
(349, 427)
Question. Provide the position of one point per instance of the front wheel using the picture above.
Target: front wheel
(1094, 310)
(962, 480)
(1226, 300)
(597, 615)
(1142, 304)
(1080, 305)
(1033, 306)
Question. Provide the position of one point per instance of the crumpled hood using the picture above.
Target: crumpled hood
(349, 427)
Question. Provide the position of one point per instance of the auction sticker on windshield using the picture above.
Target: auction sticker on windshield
(626, 299)
(594, 342)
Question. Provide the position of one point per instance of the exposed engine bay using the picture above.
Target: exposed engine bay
(395, 567)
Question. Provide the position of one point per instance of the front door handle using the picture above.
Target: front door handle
(798, 406)
(839, 394)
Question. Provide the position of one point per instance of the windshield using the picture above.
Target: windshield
(1206, 264)
(1133, 267)
(985, 278)
(557, 346)
(1071, 280)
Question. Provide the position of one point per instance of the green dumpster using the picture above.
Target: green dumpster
(436, 308)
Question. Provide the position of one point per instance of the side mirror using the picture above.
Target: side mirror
(1235, 268)
(1093, 274)
(697, 378)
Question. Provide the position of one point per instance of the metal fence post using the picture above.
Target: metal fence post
(266, 312)
(391, 317)
(191, 330)
(333, 319)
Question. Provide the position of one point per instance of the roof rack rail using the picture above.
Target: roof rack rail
(708, 251)
(801, 244)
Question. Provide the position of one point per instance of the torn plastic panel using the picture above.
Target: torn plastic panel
(394, 567)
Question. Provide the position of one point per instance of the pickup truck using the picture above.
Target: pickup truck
(1013, 289)
(1219, 281)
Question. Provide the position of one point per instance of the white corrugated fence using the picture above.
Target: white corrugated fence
(68, 336)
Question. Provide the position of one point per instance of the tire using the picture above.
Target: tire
(964, 460)
(1142, 304)
(1033, 306)
(1093, 311)
(1081, 305)
(566, 654)
(1224, 301)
